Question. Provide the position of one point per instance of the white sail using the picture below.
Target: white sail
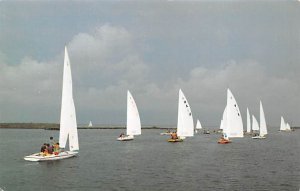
(223, 120)
(288, 127)
(234, 124)
(255, 126)
(282, 124)
(133, 117)
(90, 124)
(222, 124)
(248, 121)
(185, 123)
(262, 121)
(68, 124)
(198, 124)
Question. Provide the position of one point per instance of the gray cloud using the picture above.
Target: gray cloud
(201, 47)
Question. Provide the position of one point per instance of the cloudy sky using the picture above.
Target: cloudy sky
(151, 48)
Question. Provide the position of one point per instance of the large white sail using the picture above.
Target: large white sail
(68, 124)
(248, 121)
(198, 124)
(262, 121)
(255, 126)
(222, 124)
(133, 117)
(223, 120)
(234, 124)
(282, 124)
(185, 123)
(90, 124)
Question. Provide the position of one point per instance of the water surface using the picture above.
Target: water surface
(151, 163)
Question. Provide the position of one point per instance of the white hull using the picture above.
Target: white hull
(285, 130)
(165, 133)
(38, 157)
(258, 137)
(126, 138)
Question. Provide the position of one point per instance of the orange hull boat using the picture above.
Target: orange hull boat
(223, 141)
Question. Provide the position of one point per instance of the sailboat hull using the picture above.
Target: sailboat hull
(223, 141)
(37, 157)
(165, 133)
(258, 137)
(126, 138)
(175, 140)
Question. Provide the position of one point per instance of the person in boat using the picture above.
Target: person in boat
(56, 148)
(224, 138)
(52, 142)
(174, 135)
(122, 135)
(50, 149)
(46, 150)
(43, 147)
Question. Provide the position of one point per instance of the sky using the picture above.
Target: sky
(153, 49)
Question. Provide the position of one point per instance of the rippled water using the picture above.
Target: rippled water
(151, 163)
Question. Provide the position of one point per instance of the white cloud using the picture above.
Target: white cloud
(105, 63)
(249, 82)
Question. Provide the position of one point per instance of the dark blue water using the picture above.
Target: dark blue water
(151, 163)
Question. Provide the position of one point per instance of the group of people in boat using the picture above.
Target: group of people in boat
(50, 148)
(174, 135)
(122, 135)
(224, 139)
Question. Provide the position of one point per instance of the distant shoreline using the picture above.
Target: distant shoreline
(55, 126)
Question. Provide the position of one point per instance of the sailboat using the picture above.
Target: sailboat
(248, 122)
(68, 124)
(288, 127)
(262, 124)
(284, 126)
(255, 126)
(232, 120)
(185, 122)
(133, 126)
(198, 126)
(90, 124)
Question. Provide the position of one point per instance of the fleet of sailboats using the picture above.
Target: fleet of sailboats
(68, 124)
(231, 122)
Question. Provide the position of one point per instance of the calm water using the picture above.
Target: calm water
(151, 163)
